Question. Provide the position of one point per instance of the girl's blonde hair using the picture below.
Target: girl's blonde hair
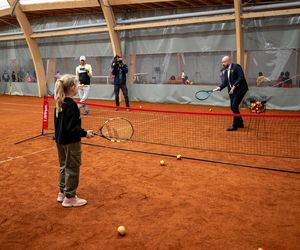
(62, 87)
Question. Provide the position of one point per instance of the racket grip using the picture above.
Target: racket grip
(90, 133)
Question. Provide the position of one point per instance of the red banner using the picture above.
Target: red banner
(45, 113)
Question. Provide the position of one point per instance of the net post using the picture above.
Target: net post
(45, 117)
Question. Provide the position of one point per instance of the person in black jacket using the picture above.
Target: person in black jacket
(68, 133)
(232, 77)
(119, 70)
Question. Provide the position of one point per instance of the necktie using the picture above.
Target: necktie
(228, 76)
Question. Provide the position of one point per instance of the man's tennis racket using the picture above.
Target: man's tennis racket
(116, 129)
(203, 94)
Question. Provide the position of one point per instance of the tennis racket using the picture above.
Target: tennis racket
(203, 94)
(116, 129)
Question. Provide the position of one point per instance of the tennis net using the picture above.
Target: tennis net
(264, 134)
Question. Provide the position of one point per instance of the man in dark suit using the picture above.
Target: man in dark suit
(232, 77)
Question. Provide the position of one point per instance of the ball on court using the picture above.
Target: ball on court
(260, 248)
(162, 162)
(178, 157)
(122, 230)
(210, 110)
(140, 107)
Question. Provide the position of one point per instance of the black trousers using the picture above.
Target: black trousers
(235, 101)
(124, 91)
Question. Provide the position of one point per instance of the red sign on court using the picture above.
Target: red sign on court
(45, 113)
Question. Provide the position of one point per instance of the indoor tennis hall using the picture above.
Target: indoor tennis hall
(170, 170)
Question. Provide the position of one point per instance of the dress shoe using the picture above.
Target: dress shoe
(232, 129)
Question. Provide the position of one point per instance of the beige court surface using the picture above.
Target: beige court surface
(183, 205)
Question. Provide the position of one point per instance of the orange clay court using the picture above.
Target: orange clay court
(185, 204)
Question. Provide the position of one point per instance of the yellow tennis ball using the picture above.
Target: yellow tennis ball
(162, 162)
(122, 230)
(210, 110)
(178, 157)
(140, 107)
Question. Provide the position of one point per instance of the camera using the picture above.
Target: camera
(117, 61)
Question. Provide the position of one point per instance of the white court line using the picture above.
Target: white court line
(20, 104)
(22, 156)
(24, 110)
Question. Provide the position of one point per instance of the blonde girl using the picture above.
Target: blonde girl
(68, 133)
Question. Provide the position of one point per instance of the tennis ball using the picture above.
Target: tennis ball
(140, 107)
(210, 110)
(178, 157)
(162, 162)
(122, 230)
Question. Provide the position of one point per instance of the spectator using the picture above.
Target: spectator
(57, 76)
(261, 80)
(183, 77)
(287, 81)
(281, 76)
(5, 76)
(33, 78)
(20, 76)
(28, 78)
(13, 76)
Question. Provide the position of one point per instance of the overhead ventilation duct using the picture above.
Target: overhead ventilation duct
(93, 25)
(169, 17)
(212, 12)
(12, 34)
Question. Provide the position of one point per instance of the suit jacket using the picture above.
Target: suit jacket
(236, 78)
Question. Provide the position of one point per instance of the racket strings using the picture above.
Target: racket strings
(203, 95)
(117, 129)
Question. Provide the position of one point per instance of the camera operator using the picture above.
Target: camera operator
(119, 70)
(84, 74)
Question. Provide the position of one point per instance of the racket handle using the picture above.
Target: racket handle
(90, 134)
